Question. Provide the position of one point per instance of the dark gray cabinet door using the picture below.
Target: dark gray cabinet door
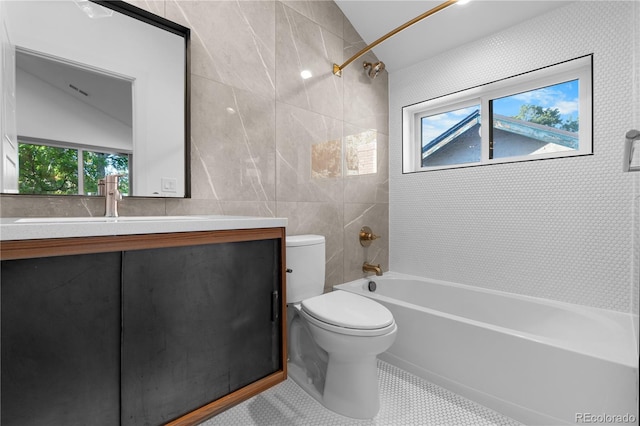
(61, 340)
(197, 325)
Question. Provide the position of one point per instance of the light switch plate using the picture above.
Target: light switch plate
(169, 184)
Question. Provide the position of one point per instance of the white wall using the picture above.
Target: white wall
(560, 229)
(46, 112)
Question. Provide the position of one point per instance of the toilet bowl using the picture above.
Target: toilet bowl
(333, 338)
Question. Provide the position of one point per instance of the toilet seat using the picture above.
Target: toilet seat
(347, 313)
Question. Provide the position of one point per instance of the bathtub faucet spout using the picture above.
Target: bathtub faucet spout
(367, 267)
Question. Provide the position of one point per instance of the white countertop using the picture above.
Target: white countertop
(15, 228)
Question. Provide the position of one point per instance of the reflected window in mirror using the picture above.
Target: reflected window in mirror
(55, 169)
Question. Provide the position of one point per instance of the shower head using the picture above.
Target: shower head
(375, 68)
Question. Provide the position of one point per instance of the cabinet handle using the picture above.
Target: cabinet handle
(275, 306)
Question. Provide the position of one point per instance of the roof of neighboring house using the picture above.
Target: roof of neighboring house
(451, 134)
(536, 131)
(508, 124)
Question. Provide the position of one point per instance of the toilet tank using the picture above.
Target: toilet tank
(305, 259)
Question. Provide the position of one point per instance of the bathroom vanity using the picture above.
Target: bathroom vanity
(139, 321)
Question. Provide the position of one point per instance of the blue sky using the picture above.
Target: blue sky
(563, 96)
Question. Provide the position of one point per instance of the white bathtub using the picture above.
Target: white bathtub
(537, 361)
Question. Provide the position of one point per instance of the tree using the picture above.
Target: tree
(98, 164)
(547, 117)
(537, 114)
(571, 125)
(52, 170)
(47, 170)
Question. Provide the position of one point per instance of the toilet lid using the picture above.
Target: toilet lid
(348, 310)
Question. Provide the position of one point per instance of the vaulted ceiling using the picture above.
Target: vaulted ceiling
(451, 27)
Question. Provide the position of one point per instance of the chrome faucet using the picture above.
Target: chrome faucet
(367, 267)
(112, 195)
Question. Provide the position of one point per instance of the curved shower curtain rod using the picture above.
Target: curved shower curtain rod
(337, 69)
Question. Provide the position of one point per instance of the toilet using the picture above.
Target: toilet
(333, 338)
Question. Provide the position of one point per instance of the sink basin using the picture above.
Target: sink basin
(106, 219)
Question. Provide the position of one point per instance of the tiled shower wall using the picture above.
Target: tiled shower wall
(560, 229)
(266, 142)
(635, 291)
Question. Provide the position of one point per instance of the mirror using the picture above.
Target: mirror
(90, 88)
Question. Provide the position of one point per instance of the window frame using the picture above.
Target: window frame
(440, 109)
(580, 68)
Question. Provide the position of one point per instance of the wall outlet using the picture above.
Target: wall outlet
(169, 184)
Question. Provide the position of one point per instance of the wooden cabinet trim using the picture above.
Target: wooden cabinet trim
(26, 249)
(218, 406)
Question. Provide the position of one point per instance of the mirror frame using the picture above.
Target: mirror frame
(167, 25)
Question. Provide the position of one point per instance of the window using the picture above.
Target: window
(541, 114)
(460, 126)
(50, 168)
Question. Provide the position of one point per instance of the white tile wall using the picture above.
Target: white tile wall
(635, 293)
(561, 229)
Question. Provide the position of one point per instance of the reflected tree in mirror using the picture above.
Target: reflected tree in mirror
(99, 164)
(48, 170)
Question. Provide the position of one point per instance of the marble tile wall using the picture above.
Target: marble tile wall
(266, 142)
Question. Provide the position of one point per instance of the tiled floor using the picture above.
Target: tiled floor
(405, 400)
